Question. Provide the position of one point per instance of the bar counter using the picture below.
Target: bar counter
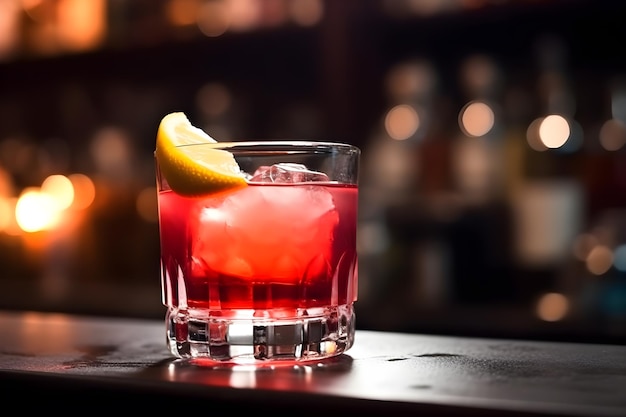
(94, 364)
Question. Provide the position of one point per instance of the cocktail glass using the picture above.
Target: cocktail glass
(264, 273)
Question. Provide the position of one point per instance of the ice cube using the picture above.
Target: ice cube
(274, 233)
(287, 173)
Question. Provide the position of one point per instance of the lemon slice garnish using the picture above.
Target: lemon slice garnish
(194, 170)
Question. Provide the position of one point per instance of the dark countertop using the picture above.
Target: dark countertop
(111, 363)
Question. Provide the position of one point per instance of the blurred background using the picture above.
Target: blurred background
(493, 177)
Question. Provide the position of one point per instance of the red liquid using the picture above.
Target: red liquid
(265, 246)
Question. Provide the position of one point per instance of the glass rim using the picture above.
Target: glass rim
(280, 146)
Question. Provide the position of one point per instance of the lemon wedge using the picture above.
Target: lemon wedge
(194, 170)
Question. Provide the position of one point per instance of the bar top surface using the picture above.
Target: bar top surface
(108, 359)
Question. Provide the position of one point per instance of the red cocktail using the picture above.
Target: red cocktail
(267, 271)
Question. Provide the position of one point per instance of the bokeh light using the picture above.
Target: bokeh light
(612, 135)
(244, 15)
(476, 119)
(554, 131)
(552, 307)
(213, 18)
(60, 188)
(81, 25)
(36, 211)
(401, 122)
(84, 191)
(599, 260)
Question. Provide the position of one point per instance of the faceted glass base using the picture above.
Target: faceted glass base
(260, 337)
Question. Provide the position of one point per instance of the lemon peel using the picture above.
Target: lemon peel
(192, 170)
